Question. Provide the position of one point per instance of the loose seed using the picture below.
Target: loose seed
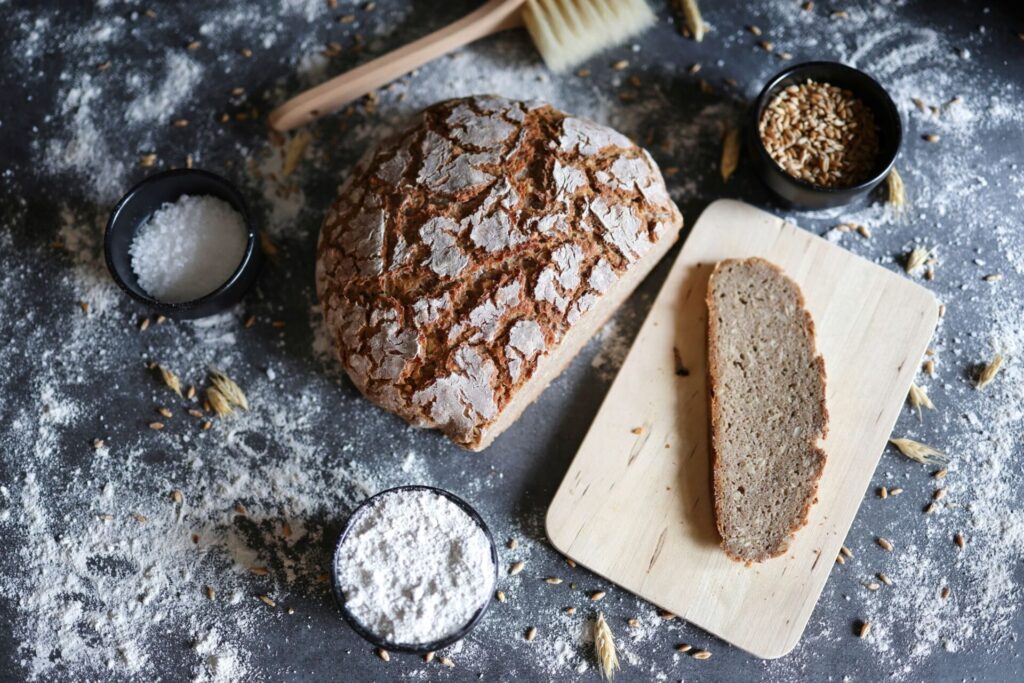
(945, 592)
(666, 615)
(177, 496)
(211, 594)
(597, 595)
(988, 373)
(683, 647)
(553, 580)
(266, 600)
(429, 657)
(512, 544)
(872, 586)
(884, 578)
(531, 633)
(886, 545)
(156, 425)
(570, 610)
(939, 494)
(500, 596)
(164, 411)
(960, 540)
(98, 444)
(895, 492)
(929, 509)
(702, 654)
(571, 562)
(448, 662)
(840, 559)
(919, 452)
(169, 378)
(883, 492)
(516, 568)
(864, 629)
(694, 22)
(620, 65)
(846, 551)
(730, 153)
(383, 654)
(930, 137)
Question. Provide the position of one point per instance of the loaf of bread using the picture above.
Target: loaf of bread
(468, 258)
(768, 411)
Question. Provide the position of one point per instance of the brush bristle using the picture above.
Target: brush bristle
(567, 32)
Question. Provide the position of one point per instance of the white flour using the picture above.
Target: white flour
(415, 567)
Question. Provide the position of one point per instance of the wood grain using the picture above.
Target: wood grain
(637, 508)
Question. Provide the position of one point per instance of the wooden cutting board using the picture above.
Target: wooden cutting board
(636, 508)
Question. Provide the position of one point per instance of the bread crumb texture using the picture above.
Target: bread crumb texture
(460, 252)
(767, 407)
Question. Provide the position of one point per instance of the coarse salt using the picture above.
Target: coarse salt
(188, 248)
(415, 567)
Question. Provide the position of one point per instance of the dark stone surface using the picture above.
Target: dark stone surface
(514, 481)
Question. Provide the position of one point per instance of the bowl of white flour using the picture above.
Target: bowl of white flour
(414, 569)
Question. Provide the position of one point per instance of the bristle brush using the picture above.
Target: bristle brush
(565, 32)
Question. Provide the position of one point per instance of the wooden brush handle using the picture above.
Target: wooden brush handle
(494, 16)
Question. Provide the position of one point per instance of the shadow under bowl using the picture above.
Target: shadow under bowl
(139, 204)
(410, 648)
(797, 193)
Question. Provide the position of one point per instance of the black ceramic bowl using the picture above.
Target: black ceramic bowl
(800, 193)
(136, 207)
(412, 648)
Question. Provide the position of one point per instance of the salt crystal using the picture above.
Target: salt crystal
(189, 248)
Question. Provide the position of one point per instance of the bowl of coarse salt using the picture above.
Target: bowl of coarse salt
(181, 242)
(414, 569)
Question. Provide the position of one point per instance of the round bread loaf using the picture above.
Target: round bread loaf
(468, 258)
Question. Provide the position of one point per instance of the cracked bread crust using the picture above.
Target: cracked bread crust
(461, 251)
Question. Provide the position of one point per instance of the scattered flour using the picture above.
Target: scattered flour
(99, 594)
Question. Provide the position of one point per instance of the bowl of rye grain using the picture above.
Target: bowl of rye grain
(823, 134)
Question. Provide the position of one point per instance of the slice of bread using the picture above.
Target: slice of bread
(767, 385)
